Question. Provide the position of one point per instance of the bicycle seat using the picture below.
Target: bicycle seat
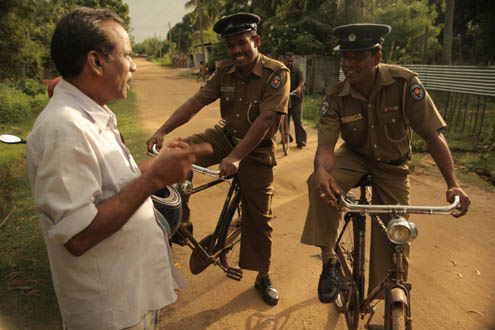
(366, 180)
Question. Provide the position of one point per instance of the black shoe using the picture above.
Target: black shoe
(328, 285)
(267, 290)
(301, 145)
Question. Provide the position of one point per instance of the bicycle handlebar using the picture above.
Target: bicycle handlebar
(195, 168)
(398, 209)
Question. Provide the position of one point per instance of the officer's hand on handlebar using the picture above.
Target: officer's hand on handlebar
(326, 187)
(229, 166)
(463, 205)
(155, 139)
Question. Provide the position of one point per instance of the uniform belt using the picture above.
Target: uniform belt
(235, 141)
(399, 161)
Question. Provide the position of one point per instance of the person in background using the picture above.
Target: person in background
(254, 94)
(374, 109)
(110, 262)
(295, 104)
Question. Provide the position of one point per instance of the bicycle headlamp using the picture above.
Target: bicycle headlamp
(401, 231)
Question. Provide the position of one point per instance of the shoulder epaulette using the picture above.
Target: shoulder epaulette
(398, 71)
(272, 64)
(335, 88)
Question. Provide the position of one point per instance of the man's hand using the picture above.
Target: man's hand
(326, 187)
(174, 163)
(464, 204)
(157, 139)
(229, 166)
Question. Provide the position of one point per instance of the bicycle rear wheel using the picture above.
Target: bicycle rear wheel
(347, 301)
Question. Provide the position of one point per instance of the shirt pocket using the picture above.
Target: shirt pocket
(394, 128)
(227, 103)
(354, 133)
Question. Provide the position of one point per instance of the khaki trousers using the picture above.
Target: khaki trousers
(256, 181)
(390, 186)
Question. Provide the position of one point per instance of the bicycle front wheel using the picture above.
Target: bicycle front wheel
(347, 252)
(398, 317)
(229, 257)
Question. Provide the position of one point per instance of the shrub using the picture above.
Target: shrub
(32, 87)
(38, 103)
(14, 105)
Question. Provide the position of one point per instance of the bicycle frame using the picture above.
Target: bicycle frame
(394, 286)
(209, 253)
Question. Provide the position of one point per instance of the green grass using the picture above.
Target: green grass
(23, 259)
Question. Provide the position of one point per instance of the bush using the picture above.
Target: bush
(14, 104)
(32, 87)
(38, 103)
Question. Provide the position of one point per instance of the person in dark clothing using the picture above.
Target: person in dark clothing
(295, 104)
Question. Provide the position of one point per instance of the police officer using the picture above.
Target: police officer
(374, 109)
(254, 93)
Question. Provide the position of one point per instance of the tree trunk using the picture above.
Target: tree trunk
(353, 11)
(448, 33)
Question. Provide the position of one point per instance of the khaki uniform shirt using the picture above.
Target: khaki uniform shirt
(379, 127)
(241, 100)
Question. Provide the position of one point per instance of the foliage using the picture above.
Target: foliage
(180, 34)
(26, 28)
(14, 104)
(408, 19)
(154, 47)
(32, 87)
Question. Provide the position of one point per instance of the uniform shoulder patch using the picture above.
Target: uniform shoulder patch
(276, 81)
(325, 106)
(417, 92)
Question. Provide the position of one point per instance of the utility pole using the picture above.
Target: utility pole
(201, 32)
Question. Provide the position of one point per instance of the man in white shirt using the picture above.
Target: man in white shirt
(110, 262)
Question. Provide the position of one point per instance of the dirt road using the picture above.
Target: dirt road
(453, 260)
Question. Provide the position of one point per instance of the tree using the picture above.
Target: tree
(408, 20)
(447, 33)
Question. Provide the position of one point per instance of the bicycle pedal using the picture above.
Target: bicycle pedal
(234, 273)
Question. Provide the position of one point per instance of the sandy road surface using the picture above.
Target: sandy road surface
(446, 257)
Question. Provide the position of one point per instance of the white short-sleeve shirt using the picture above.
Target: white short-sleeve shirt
(76, 160)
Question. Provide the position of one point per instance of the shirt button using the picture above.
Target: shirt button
(354, 129)
(375, 146)
(235, 131)
(237, 115)
(393, 120)
(227, 98)
(372, 126)
(378, 159)
(240, 99)
(369, 106)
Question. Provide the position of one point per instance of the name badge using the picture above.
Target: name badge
(351, 118)
(227, 89)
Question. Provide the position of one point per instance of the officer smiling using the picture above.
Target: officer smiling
(254, 93)
(374, 109)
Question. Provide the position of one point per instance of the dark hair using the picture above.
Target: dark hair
(77, 33)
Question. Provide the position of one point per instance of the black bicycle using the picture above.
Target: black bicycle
(219, 248)
(350, 251)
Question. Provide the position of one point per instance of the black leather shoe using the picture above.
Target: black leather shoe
(301, 145)
(328, 285)
(267, 290)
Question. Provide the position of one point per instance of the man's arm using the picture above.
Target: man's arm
(182, 115)
(256, 133)
(299, 88)
(440, 152)
(170, 166)
(326, 186)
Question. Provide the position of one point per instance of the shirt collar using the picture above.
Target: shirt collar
(100, 115)
(258, 66)
(383, 78)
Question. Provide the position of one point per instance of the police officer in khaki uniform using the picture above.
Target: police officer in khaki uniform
(254, 93)
(374, 110)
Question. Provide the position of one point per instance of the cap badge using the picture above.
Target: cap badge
(352, 37)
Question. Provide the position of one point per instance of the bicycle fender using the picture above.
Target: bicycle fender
(398, 294)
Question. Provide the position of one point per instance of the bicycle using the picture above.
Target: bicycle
(221, 247)
(350, 251)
